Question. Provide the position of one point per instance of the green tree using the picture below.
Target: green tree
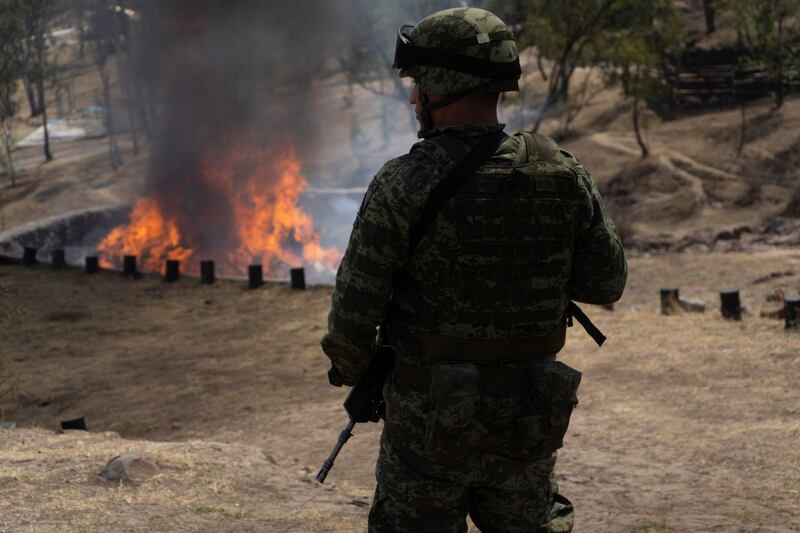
(763, 33)
(34, 17)
(635, 56)
(626, 39)
(569, 34)
(106, 20)
(10, 71)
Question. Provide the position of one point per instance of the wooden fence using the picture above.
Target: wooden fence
(706, 78)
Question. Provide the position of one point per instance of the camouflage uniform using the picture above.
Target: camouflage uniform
(500, 262)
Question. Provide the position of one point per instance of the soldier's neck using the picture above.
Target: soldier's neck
(466, 111)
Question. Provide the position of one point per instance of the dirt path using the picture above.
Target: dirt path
(686, 423)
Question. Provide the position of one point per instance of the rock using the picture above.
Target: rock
(733, 234)
(775, 314)
(692, 306)
(7, 424)
(127, 467)
(776, 296)
(774, 275)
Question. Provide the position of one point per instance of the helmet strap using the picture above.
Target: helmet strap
(428, 108)
(427, 116)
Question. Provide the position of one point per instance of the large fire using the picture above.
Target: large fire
(258, 190)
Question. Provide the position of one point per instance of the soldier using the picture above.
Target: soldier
(470, 273)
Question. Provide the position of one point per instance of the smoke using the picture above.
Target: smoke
(311, 77)
(220, 78)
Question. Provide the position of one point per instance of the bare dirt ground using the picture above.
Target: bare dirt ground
(686, 423)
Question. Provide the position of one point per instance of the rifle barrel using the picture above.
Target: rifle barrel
(344, 436)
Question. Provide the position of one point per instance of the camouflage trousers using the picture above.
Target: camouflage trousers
(455, 453)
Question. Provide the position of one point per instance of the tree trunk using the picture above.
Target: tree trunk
(742, 131)
(47, 155)
(31, 96)
(113, 150)
(134, 130)
(141, 107)
(40, 96)
(637, 127)
(70, 99)
(7, 145)
(710, 12)
(779, 81)
(541, 66)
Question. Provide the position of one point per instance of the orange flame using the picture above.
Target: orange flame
(260, 189)
(149, 236)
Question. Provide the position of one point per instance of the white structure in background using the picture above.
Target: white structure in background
(59, 131)
(85, 123)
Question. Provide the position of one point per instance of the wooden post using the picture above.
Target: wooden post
(298, 278)
(255, 275)
(75, 423)
(129, 266)
(92, 264)
(173, 270)
(731, 305)
(670, 301)
(207, 272)
(29, 256)
(792, 311)
(58, 259)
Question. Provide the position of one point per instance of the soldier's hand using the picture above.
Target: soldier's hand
(334, 377)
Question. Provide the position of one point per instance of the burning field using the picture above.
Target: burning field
(254, 220)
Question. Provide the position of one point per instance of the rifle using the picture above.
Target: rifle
(365, 401)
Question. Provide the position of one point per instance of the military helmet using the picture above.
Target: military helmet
(459, 49)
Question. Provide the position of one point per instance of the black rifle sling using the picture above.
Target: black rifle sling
(466, 167)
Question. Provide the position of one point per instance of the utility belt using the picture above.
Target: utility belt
(440, 348)
(493, 380)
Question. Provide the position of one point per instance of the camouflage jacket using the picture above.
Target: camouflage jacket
(381, 282)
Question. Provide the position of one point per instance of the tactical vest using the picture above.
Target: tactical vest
(497, 261)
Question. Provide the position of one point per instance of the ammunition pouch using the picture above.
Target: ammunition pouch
(545, 391)
(451, 427)
(550, 398)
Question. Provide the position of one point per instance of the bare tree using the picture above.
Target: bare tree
(32, 53)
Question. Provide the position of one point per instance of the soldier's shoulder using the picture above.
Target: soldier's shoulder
(410, 170)
(543, 148)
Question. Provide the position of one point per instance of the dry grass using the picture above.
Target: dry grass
(687, 422)
(49, 484)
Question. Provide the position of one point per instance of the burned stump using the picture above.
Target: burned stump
(731, 305)
(792, 312)
(29, 256)
(173, 270)
(255, 276)
(129, 266)
(92, 264)
(207, 272)
(298, 276)
(670, 301)
(58, 259)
